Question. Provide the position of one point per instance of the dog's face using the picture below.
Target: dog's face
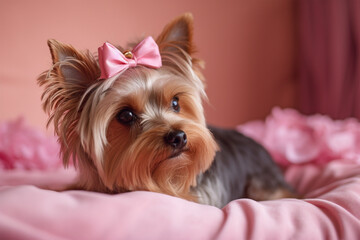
(143, 129)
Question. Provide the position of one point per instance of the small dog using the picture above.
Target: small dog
(133, 120)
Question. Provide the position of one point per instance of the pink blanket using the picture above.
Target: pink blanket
(329, 210)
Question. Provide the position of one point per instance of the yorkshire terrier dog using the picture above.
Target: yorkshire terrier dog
(132, 119)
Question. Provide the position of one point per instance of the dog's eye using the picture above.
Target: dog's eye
(175, 104)
(126, 117)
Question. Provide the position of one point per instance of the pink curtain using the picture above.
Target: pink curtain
(330, 57)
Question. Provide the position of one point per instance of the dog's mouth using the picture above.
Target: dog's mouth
(174, 154)
(177, 153)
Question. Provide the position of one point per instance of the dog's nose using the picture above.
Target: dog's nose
(177, 139)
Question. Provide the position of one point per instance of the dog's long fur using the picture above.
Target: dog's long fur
(114, 157)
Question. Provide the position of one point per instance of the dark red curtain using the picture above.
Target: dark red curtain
(329, 54)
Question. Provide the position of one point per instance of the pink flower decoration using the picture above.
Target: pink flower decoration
(292, 138)
(22, 147)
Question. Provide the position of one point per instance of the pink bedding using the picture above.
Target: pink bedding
(330, 208)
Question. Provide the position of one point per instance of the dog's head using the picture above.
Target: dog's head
(142, 129)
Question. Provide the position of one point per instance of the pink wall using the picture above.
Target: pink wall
(249, 48)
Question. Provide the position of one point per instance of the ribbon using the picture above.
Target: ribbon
(112, 61)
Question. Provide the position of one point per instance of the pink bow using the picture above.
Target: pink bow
(112, 61)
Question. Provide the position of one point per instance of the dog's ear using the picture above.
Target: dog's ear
(176, 43)
(59, 51)
(66, 82)
(177, 35)
(72, 66)
(70, 76)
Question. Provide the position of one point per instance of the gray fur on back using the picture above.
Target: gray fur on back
(239, 162)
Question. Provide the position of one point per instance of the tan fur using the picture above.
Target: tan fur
(262, 195)
(112, 157)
